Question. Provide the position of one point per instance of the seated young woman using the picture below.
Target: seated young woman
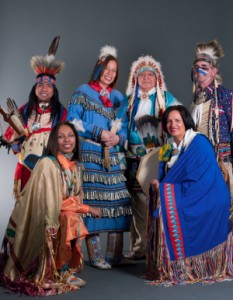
(43, 237)
(189, 237)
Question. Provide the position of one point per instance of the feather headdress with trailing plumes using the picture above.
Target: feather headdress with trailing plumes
(210, 52)
(47, 64)
(146, 62)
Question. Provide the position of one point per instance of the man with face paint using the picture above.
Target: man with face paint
(212, 105)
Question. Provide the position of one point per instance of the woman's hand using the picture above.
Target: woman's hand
(155, 184)
(96, 211)
(105, 135)
(109, 139)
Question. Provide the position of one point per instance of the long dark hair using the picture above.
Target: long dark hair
(54, 102)
(53, 148)
(185, 115)
(103, 65)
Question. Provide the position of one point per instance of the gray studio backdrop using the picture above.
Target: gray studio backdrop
(166, 29)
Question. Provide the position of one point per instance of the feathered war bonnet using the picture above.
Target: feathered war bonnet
(106, 51)
(146, 63)
(210, 53)
(46, 67)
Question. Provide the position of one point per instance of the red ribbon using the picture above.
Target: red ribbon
(97, 87)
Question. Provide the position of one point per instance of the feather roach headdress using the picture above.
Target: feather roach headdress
(209, 52)
(46, 67)
(105, 51)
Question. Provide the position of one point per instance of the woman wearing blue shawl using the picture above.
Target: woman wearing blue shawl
(189, 237)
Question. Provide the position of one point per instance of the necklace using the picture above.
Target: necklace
(37, 124)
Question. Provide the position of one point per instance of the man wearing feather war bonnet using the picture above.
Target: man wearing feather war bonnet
(148, 98)
(38, 116)
(212, 105)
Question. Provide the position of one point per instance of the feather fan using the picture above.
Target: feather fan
(149, 130)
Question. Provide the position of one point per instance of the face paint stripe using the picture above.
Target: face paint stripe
(199, 70)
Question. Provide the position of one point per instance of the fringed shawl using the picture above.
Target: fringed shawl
(188, 223)
(195, 202)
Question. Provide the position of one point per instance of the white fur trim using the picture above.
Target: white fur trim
(107, 50)
(117, 123)
(78, 124)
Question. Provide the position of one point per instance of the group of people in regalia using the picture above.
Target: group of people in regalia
(77, 176)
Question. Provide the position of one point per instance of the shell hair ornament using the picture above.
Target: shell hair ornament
(46, 67)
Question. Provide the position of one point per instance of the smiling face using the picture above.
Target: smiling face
(44, 91)
(147, 80)
(175, 126)
(109, 74)
(66, 139)
(204, 73)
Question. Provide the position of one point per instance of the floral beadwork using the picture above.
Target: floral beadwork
(165, 152)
